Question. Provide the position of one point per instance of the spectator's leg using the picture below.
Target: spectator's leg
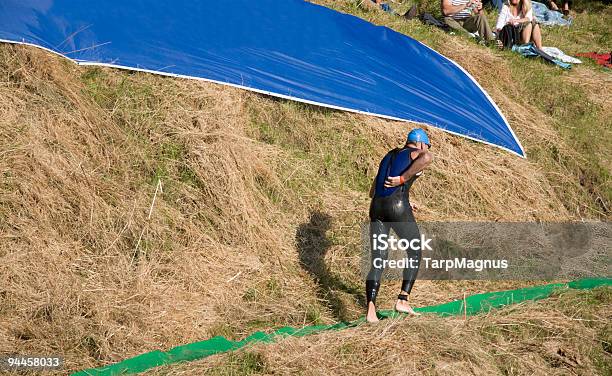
(566, 7)
(552, 5)
(455, 25)
(536, 35)
(471, 24)
(478, 22)
(526, 33)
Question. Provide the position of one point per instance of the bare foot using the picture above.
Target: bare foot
(371, 315)
(402, 306)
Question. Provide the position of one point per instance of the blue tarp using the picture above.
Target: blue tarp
(530, 50)
(549, 17)
(290, 49)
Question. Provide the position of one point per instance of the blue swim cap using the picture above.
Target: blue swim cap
(418, 135)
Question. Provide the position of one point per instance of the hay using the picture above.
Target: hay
(556, 336)
(94, 270)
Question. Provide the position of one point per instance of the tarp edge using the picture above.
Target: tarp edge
(297, 99)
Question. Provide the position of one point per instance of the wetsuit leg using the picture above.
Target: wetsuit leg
(377, 227)
(400, 216)
(408, 229)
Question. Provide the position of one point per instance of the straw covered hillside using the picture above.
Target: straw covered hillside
(140, 212)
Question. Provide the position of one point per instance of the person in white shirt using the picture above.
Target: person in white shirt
(519, 14)
(467, 16)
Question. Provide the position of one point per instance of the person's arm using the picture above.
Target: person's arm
(520, 20)
(502, 20)
(508, 20)
(449, 9)
(420, 163)
(552, 5)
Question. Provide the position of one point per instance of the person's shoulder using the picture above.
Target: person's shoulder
(389, 154)
(505, 11)
(394, 150)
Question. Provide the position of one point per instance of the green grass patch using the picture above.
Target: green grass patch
(222, 329)
(242, 363)
(314, 315)
(308, 133)
(584, 305)
(579, 120)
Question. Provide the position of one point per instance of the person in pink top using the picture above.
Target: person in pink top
(518, 14)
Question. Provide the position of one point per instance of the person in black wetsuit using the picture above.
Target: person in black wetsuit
(391, 209)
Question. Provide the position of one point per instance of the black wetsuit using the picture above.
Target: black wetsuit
(390, 209)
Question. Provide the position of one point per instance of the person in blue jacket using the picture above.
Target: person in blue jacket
(497, 4)
(391, 209)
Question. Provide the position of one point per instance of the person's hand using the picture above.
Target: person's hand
(553, 6)
(392, 181)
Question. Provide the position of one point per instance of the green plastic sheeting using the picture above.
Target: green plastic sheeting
(480, 303)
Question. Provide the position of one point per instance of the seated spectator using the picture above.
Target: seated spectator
(552, 5)
(467, 16)
(382, 4)
(497, 4)
(518, 14)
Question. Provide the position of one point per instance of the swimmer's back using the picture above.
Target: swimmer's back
(396, 162)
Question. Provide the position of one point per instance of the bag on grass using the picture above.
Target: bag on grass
(428, 19)
(529, 50)
(509, 36)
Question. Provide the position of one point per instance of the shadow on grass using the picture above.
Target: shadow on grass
(313, 244)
